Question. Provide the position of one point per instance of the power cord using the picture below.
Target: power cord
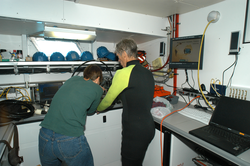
(198, 71)
(92, 61)
(15, 110)
(165, 118)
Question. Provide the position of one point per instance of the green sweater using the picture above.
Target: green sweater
(70, 106)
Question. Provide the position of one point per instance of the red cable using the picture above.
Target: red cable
(165, 118)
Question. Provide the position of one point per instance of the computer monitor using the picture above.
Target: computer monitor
(48, 90)
(184, 52)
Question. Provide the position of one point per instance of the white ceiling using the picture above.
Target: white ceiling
(160, 8)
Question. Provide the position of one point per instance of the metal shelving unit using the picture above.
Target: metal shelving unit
(52, 67)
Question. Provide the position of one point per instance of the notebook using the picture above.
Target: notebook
(232, 116)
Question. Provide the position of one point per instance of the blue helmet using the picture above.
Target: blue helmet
(102, 52)
(40, 56)
(87, 56)
(72, 56)
(57, 56)
(111, 56)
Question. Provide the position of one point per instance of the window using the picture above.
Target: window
(246, 37)
(50, 46)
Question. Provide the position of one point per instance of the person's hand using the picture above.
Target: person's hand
(103, 88)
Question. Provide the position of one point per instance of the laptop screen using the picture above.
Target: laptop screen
(233, 114)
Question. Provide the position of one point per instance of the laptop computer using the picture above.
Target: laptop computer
(230, 115)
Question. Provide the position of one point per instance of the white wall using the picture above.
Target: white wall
(13, 42)
(216, 46)
(66, 12)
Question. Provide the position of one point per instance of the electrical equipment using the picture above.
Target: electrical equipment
(184, 52)
(234, 48)
(48, 90)
(162, 48)
(217, 89)
(238, 92)
(195, 93)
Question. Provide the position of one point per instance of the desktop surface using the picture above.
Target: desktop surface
(181, 125)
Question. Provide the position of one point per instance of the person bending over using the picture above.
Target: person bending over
(61, 137)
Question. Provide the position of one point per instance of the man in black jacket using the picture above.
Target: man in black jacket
(135, 85)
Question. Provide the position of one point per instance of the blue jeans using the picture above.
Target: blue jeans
(55, 148)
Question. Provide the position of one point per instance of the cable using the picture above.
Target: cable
(4, 93)
(214, 87)
(161, 67)
(165, 118)
(198, 72)
(227, 69)
(183, 98)
(187, 81)
(193, 78)
(230, 80)
(15, 110)
(92, 61)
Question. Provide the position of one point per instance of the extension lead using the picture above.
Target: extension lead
(165, 118)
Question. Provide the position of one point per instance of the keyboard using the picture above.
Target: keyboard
(229, 136)
(196, 114)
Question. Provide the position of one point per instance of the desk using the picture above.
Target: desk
(180, 125)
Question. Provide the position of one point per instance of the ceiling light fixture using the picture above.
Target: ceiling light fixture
(69, 34)
(213, 15)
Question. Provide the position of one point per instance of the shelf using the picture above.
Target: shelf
(52, 67)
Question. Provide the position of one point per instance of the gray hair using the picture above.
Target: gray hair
(127, 45)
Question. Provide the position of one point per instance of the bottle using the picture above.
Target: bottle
(37, 95)
(14, 54)
(19, 54)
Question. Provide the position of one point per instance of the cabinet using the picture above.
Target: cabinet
(103, 132)
(28, 143)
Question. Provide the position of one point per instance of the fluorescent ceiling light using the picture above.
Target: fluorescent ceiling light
(69, 34)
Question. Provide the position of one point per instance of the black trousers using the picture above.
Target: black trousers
(129, 162)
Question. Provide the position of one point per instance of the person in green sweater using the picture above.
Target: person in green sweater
(61, 137)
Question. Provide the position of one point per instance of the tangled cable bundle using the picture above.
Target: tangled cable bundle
(15, 110)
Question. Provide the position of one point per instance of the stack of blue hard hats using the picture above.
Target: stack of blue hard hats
(72, 56)
(40, 56)
(86, 56)
(111, 56)
(102, 52)
(57, 56)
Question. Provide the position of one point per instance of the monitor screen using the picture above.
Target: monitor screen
(235, 43)
(48, 90)
(184, 52)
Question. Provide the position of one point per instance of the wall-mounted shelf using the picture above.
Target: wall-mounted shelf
(53, 67)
